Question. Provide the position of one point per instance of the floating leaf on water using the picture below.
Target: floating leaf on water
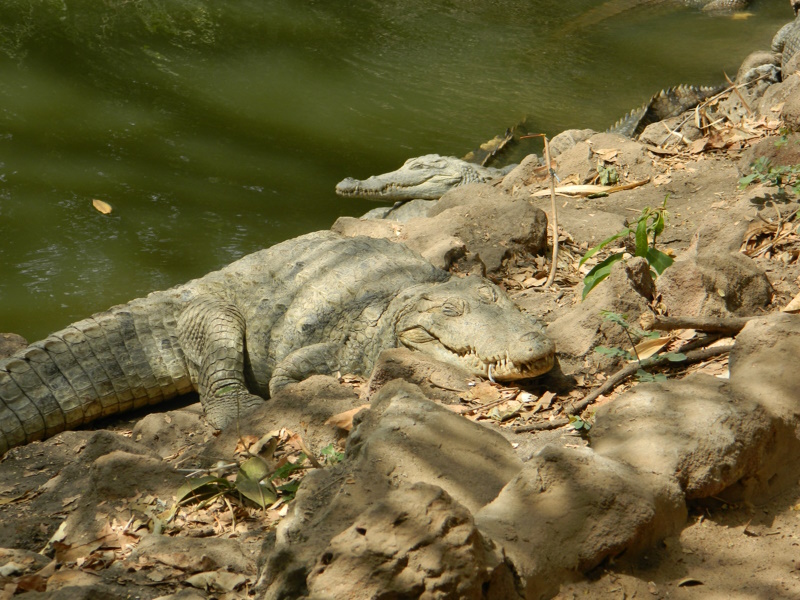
(103, 207)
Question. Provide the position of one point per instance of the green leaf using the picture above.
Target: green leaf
(614, 352)
(263, 493)
(641, 237)
(600, 271)
(658, 223)
(255, 468)
(747, 180)
(289, 468)
(658, 260)
(201, 486)
(592, 251)
(674, 356)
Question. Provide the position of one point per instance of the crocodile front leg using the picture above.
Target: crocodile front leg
(316, 359)
(211, 331)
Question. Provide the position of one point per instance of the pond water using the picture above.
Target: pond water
(214, 129)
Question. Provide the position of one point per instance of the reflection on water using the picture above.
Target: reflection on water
(215, 129)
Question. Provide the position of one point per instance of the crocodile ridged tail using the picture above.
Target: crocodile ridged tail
(669, 102)
(117, 360)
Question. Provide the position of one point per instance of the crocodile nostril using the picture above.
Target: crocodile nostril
(531, 336)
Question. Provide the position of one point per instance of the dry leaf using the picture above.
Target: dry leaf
(698, 146)
(793, 306)
(344, 420)
(103, 207)
(484, 393)
(649, 347)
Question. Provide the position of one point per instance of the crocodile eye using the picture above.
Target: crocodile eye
(487, 294)
(453, 308)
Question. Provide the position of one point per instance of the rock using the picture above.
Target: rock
(527, 172)
(438, 381)
(707, 282)
(470, 225)
(754, 60)
(571, 508)
(775, 97)
(302, 408)
(194, 555)
(631, 159)
(416, 543)
(791, 66)
(763, 370)
(164, 432)
(10, 343)
(585, 223)
(626, 291)
(694, 431)
(403, 439)
(787, 154)
(568, 139)
(402, 211)
(660, 134)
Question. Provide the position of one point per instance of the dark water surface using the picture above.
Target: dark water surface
(217, 128)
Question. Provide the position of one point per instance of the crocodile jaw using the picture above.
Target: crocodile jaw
(385, 188)
(538, 361)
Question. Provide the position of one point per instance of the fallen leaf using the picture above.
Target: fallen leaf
(793, 306)
(484, 392)
(698, 146)
(344, 420)
(649, 347)
(103, 207)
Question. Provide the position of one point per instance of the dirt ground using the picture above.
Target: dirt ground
(725, 551)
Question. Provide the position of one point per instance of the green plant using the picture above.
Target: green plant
(649, 226)
(254, 481)
(781, 176)
(634, 332)
(331, 456)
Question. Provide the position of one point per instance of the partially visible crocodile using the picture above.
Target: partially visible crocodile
(423, 177)
(669, 102)
(316, 304)
(787, 41)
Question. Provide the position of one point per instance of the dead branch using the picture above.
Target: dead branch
(616, 379)
(727, 325)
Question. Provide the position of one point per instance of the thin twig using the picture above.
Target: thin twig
(738, 93)
(551, 277)
(554, 266)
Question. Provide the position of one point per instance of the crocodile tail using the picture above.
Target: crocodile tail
(669, 102)
(628, 124)
(117, 360)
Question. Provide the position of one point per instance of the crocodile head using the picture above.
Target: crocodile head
(426, 177)
(471, 323)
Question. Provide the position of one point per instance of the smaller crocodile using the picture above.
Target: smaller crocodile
(423, 177)
(669, 102)
(787, 41)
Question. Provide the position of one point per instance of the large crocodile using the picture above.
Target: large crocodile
(320, 303)
(787, 41)
(423, 177)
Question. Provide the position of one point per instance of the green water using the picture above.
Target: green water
(215, 128)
